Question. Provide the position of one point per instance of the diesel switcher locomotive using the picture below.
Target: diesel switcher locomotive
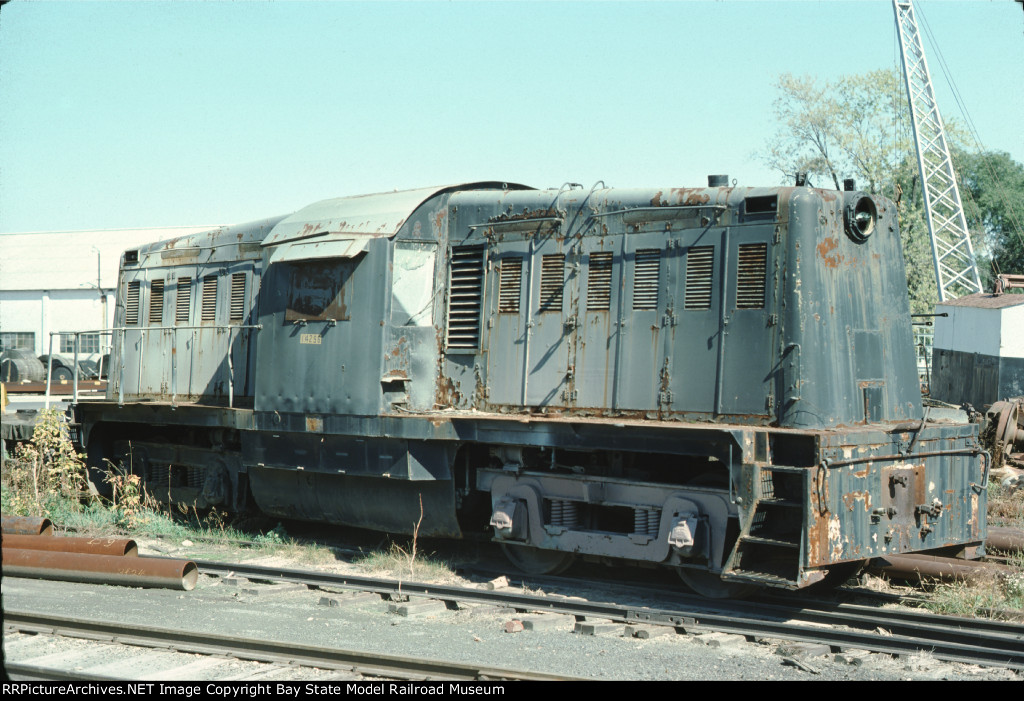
(717, 380)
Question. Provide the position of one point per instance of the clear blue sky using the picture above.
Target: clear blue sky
(126, 114)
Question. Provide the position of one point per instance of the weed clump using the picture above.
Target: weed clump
(45, 477)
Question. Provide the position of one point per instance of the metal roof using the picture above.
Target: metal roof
(381, 214)
(982, 300)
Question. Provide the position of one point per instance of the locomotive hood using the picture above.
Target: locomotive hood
(380, 214)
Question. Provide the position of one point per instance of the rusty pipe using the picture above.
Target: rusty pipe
(917, 567)
(119, 547)
(156, 572)
(27, 525)
(1005, 539)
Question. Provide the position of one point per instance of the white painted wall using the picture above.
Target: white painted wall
(48, 280)
(1012, 341)
(993, 332)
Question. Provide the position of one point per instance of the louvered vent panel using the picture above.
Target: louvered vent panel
(156, 302)
(750, 275)
(184, 300)
(510, 282)
(599, 282)
(646, 274)
(131, 305)
(552, 282)
(209, 310)
(700, 262)
(466, 297)
(237, 297)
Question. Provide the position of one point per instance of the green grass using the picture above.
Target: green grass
(398, 562)
(1005, 506)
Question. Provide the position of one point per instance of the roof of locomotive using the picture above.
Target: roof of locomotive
(380, 214)
(226, 242)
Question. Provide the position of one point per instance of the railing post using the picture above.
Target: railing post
(231, 372)
(49, 370)
(174, 368)
(120, 373)
(74, 381)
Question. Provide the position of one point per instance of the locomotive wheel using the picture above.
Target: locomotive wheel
(706, 583)
(712, 586)
(536, 561)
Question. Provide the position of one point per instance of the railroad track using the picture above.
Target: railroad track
(839, 625)
(349, 665)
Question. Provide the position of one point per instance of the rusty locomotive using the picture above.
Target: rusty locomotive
(718, 380)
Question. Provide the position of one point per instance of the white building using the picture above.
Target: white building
(63, 281)
(978, 354)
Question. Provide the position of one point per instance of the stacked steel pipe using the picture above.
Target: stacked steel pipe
(31, 550)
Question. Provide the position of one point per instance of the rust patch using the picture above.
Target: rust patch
(551, 212)
(398, 350)
(835, 539)
(817, 533)
(448, 394)
(825, 249)
(690, 196)
(851, 499)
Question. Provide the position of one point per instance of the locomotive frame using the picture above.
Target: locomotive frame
(719, 380)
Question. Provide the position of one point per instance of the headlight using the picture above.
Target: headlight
(860, 216)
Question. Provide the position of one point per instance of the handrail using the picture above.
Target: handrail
(77, 343)
(122, 331)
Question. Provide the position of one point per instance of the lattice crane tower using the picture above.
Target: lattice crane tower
(956, 269)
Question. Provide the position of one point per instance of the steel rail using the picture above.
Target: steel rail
(19, 672)
(365, 663)
(946, 637)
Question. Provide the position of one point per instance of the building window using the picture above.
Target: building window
(87, 343)
(18, 341)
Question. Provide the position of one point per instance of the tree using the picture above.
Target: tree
(992, 187)
(841, 129)
(850, 128)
